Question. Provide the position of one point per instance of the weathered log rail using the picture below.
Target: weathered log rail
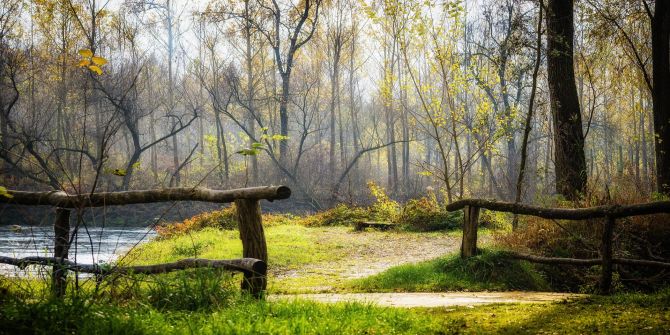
(244, 265)
(471, 209)
(64, 200)
(247, 201)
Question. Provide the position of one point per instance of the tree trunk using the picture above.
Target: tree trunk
(253, 242)
(569, 159)
(61, 246)
(660, 41)
(470, 221)
(334, 91)
(283, 117)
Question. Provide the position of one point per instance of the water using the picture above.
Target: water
(107, 245)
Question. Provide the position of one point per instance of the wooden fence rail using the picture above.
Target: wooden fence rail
(247, 201)
(471, 209)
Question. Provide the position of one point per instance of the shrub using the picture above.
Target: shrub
(384, 209)
(426, 214)
(339, 215)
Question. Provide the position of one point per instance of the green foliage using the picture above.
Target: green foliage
(495, 220)
(487, 271)
(426, 214)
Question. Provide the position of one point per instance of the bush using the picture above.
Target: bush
(340, 215)
(384, 209)
(426, 214)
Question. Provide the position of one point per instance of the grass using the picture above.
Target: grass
(302, 259)
(485, 272)
(619, 314)
(289, 246)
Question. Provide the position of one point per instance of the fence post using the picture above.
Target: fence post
(606, 253)
(470, 221)
(61, 246)
(253, 243)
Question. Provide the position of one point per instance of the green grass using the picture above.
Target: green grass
(289, 246)
(487, 271)
(620, 314)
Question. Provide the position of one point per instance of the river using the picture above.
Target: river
(95, 245)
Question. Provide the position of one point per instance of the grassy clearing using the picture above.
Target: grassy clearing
(306, 259)
(289, 246)
(625, 314)
(487, 271)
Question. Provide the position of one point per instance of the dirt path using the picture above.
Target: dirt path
(363, 254)
(434, 299)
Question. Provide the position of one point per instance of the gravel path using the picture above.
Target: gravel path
(446, 299)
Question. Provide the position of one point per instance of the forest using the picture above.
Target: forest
(363, 146)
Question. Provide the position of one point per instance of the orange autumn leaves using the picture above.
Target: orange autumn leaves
(91, 62)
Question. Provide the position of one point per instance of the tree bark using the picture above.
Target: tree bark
(470, 222)
(61, 247)
(253, 242)
(570, 162)
(660, 41)
(64, 200)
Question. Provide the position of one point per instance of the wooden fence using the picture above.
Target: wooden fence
(247, 201)
(610, 213)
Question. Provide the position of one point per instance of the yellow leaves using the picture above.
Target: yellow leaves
(4, 193)
(97, 60)
(96, 69)
(93, 63)
(86, 53)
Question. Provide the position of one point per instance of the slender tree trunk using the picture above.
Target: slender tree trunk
(334, 90)
(251, 94)
(283, 116)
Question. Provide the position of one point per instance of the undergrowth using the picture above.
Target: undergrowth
(639, 237)
(422, 214)
(225, 219)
